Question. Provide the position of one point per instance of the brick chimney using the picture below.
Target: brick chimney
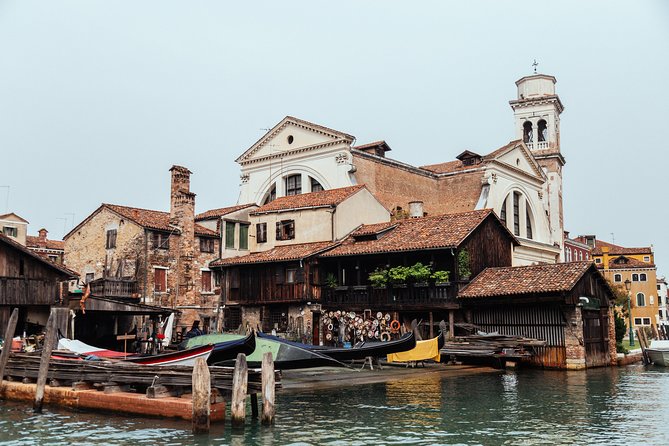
(42, 234)
(182, 217)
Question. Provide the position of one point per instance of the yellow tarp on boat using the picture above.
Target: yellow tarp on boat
(424, 350)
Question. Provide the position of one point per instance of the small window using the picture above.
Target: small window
(294, 184)
(638, 321)
(53, 258)
(659, 288)
(10, 231)
(617, 278)
(244, 236)
(159, 280)
(642, 277)
(598, 260)
(646, 321)
(161, 240)
(261, 232)
(90, 277)
(290, 139)
(285, 230)
(206, 281)
(229, 235)
(640, 300)
(646, 258)
(111, 239)
(635, 277)
(315, 185)
(206, 244)
(291, 275)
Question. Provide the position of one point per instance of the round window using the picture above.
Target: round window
(290, 139)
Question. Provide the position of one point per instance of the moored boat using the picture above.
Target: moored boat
(658, 352)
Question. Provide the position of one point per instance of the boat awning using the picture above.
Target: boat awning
(105, 304)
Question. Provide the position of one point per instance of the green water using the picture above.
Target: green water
(603, 406)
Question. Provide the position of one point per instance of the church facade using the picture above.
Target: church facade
(521, 181)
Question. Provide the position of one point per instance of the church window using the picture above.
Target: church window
(516, 213)
(502, 213)
(528, 223)
(315, 185)
(294, 184)
(290, 139)
(271, 195)
(640, 300)
(527, 132)
(542, 131)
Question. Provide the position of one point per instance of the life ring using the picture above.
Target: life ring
(330, 326)
(395, 325)
(385, 336)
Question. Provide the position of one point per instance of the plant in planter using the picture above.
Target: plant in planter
(420, 274)
(331, 281)
(398, 275)
(440, 276)
(464, 270)
(378, 278)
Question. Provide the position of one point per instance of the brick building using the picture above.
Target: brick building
(53, 250)
(150, 256)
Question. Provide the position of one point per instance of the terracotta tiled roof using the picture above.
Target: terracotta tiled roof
(331, 197)
(440, 231)
(376, 228)
(37, 242)
(157, 220)
(62, 269)
(369, 145)
(517, 280)
(277, 254)
(457, 165)
(623, 262)
(220, 212)
(616, 249)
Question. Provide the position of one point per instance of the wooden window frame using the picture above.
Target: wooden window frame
(285, 230)
(293, 184)
(643, 300)
(230, 235)
(207, 244)
(206, 285)
(160, 240)
(163, 284)
(10, 231)
(110, 242)
(617, 278)
(244, 236)
(261, 232)
(316, 186)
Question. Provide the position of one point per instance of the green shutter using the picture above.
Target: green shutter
(243, 236)
(229, 235)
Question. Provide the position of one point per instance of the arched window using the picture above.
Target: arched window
(271, 195)
(516, 213)
(294, 184)
(527, 132)
(528, 222)
(635, 277)
(617, 278)
(580, 255)
(502, 212)
(542, 131)
(640, 300)
(315, 185)
(568, 254)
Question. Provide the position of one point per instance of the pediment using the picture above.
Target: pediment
(292, 134)
(519, 157)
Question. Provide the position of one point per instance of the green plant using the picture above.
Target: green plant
(378, 278)
(620, 348)
(464, 268)
(441, 276)
(419, 272)
(398, 274)
(621, 327)
(331, 281)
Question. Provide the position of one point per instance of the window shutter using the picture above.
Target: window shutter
(278, 230)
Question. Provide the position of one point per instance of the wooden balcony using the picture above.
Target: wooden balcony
(392, 298)
(118, 288)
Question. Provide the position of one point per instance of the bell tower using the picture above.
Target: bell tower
(536, 114)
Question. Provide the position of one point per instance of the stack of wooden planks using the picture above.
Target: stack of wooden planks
(26, 366)
(490, 345)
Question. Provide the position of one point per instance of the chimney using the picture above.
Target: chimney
(416, 209)
(42, 234)
(605, 255)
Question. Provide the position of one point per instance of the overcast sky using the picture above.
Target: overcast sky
(99, 98)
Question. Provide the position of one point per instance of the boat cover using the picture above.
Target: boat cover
(424, 350)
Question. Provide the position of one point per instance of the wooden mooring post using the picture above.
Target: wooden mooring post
(201, 397)
(49, 340)
(268, 385)
(9, 335)
(240, 379)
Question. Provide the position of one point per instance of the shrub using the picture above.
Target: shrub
(419, 272)
(398, 274)
(441, 276)
(378, 278)
(331, 281)
(621, 328)
(464, 269)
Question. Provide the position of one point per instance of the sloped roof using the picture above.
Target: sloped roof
(617, 249)
(60, 268)
(37, 242)
(220, 212)
(277, 254)
(433, 232)
(330, 197)
(458, 165)
(380, 144)
(623, 262)
(519, 280)
(4, 216)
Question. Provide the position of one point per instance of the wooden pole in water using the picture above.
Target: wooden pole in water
(267, 389)
(201, 397)
(7, 347)
(49, 340)
(239, 385)
(451, 324)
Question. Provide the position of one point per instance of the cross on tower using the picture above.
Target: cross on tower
(535, 65)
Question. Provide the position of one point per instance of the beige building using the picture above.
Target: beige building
(14, 227)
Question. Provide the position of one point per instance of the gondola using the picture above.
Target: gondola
(286, 356)
(227, 350)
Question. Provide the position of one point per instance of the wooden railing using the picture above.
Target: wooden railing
(390, 297)
(114, 288)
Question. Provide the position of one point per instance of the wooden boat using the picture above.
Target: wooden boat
(228, 350)
(285, 356)
(360, 350)
(658, 352)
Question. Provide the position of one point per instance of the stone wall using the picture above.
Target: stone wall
(574, 338)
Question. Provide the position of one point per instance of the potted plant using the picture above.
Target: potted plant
(331, 281)
(398, 276)
(464, 269)
(441, 277)
(378, 278)
(420, 274)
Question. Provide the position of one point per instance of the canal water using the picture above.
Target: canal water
(618, 406)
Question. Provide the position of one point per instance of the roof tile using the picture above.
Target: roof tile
(330, 197)
(157, 220)
(220, 212)
(277, 254)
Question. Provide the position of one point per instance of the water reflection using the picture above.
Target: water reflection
(602, 406)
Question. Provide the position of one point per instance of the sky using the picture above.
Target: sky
(98, 99)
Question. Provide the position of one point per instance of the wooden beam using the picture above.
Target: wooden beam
(267, 389)
(9, 334)
(201, 397)
(239, 387)
(49, 341)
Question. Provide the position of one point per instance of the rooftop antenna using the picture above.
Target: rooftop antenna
(613, 238)
(64, 223)
(71, 214)
(535, 65)
(6, 199)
